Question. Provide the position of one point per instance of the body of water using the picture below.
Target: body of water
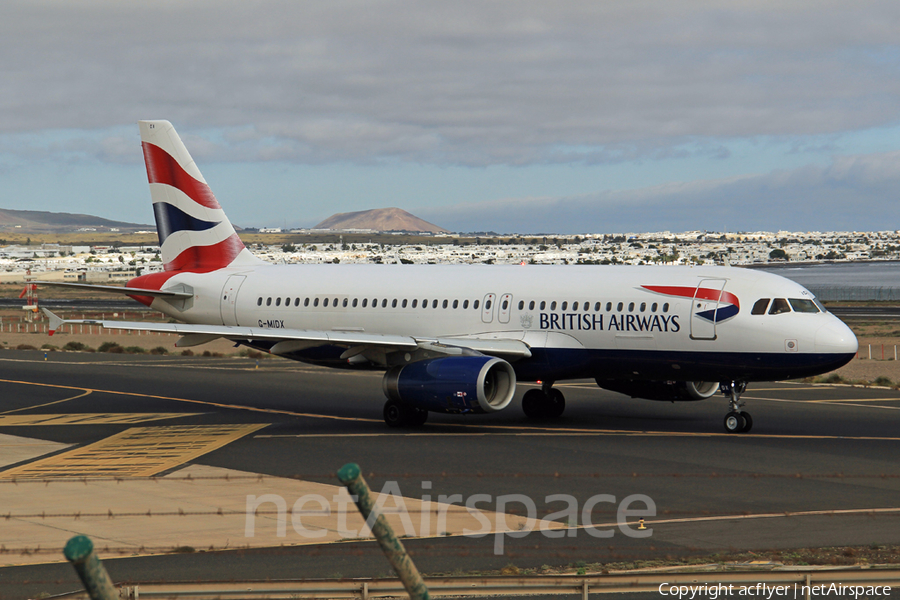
(861, 274)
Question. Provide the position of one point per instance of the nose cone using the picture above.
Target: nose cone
(836, 338)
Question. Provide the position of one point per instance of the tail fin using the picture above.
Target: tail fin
(194, 233)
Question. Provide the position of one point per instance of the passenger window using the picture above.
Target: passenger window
(475, 304)
(259, 301)
(653, 307)
(465, 304)
(553, 305)
(608, 306)
(415, 302)
(394, 303)
(596, 307)
(666, 307)
(268, 302)
(365, 302)
(488, 304)
(543, 304)
(759, 308)
(384, 303)
(334, 304)
(779, 305)
(287, 301)
(355, 302)
(521, 304)
(277, 301)
(403, 304)
(802, 305)
(444, 304)
(297, 302)
(587, 306)
(434, 303)
(344, 303)
(325, 303)
(306, 302)
(531, 305)
(619, 307)
(631, 307)
(643, 306)
(456, 304)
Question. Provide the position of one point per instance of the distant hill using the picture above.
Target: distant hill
(379, 219)
(40, 221)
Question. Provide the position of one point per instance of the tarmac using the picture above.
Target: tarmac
(203, 469)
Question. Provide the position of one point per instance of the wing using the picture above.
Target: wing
(374, 347)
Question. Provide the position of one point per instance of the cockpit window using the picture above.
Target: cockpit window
(802, 305)
(760, 307)
(820, 305)
(779, 305)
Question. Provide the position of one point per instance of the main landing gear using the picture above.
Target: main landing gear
(398, 414)
(545, 403)
(736, 421)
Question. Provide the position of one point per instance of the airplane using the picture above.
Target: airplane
(457, 338)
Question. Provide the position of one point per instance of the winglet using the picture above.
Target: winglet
(55, 321)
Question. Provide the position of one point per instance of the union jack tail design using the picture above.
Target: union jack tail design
(194, 233)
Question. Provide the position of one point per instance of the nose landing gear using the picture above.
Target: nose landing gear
(736, 421)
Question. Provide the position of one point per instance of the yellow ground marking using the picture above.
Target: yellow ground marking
(7, 420)
(86, 393)
(271, 411)
(839, 400)
(135, 452)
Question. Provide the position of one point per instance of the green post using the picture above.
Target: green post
(80, 552)
(352, 478)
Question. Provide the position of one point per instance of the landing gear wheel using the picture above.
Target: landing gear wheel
(418, 417)
(538, 404)
(532, 402)
(397, 414)
(734, 422)
(394, 413)
(556, 404)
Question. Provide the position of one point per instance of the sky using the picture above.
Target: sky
(514, 117)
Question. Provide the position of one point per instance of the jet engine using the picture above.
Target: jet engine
(454, 384)
(661, 390)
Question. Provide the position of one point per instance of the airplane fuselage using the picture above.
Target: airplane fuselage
(605, 322)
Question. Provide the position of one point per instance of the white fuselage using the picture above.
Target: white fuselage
(614, 315)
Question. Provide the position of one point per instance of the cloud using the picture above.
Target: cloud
(852, 193)
(463, 83)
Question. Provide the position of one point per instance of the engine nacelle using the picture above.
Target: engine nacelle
(455, 384)
(662, 390)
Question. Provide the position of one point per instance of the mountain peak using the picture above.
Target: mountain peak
(379, 219)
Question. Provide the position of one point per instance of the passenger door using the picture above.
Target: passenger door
(704, 308)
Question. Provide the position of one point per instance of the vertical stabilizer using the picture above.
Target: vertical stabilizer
(194, 233)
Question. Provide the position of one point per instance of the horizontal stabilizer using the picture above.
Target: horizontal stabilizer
(116, 289)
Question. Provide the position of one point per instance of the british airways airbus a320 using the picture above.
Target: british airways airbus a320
(457, 338)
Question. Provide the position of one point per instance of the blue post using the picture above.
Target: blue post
(391, 545)
(80, 552)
